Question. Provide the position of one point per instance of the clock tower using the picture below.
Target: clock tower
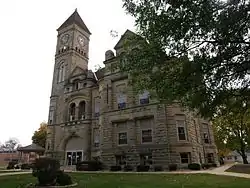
(72, 45)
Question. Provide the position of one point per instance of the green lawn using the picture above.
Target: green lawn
(138, 181)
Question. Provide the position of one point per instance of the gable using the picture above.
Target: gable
(128, 34)
(77, 71)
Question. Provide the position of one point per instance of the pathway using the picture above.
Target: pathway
(216, 171)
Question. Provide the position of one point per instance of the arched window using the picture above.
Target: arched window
(72, 111)
(82, 106)
(61, 73)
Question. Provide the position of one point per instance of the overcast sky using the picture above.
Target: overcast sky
(27, 48)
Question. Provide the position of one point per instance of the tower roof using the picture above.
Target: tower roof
(75, 18)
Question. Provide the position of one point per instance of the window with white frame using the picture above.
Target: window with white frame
(185, 157)
(146, 136)
(181, 129)
(121, 100)
(144, 97)
(61, 73)
(122, 138)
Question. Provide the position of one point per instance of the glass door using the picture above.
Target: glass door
(73, 157)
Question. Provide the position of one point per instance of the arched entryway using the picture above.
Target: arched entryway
(75, 151)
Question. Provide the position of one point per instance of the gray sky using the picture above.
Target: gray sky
(27, 48)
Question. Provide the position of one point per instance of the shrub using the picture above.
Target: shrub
(89, 166)
(194, 166)
(142, 168)
(11, 165)
(63, 179)
(17, 167)
(128, 168)
(213, 165)
(158, 168)
(46, 169)
(26, 166)
(115, 168)
(208, 165)
(172, 167)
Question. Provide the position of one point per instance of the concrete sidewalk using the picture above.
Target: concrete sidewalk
(216, 171)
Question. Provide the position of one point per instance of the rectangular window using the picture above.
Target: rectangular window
(144, 97)
(181, 128)
(210, 158)
(146, 136)
(185, 158)
(122, 138)
(121, 100)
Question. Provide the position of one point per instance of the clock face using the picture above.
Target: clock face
(81, 40)
(65, 39)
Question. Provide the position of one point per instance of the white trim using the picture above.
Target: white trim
(185, 130)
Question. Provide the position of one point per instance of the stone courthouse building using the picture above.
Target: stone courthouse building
(96, 115)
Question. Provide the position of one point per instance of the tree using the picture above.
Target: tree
(10, 145)
(232, 127)
(194, 51)
(39, 136)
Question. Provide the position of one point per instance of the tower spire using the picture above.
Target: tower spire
(75, 18)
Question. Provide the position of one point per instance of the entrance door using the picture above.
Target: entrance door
(73, 157)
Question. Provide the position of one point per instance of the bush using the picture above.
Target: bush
(128, 168)
(11, 165)
(208, 165)
(63, 179)
(213, 165)
(46, 169)
(17, 167)
(26, 166)
(172, 167)
(194, 166)
(89, 166)
(115, 168)
(142, 168)
(158, 168)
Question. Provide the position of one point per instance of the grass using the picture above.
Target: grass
(240, 168)
(137, 181)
